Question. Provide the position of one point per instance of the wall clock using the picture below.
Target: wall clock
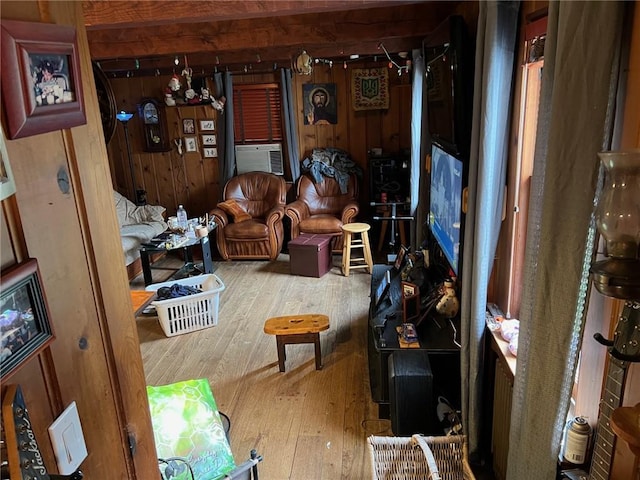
(106, 102)
(154, 126)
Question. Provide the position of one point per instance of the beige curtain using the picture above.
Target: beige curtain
(576, 110)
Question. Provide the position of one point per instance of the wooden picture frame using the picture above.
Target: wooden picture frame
(210, 152)
(382, 289)
(410, 302)
(24, 321)
(188, 126)
(208, 125)
(42, 91)
(208, 140)
(400, 257)
(190, 144)
(7, 185)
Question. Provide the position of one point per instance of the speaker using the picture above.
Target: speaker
(411, 393)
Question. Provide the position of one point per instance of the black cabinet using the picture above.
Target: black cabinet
(438, 339)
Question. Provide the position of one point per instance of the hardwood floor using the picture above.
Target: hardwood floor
(307, 424)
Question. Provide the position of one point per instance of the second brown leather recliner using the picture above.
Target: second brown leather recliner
(322, 208)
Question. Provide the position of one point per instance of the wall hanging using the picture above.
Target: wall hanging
(370, 87)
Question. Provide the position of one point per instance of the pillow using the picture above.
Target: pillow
(130, 214)
(235, 211)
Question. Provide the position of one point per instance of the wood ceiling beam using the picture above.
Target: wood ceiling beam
(337, 34)
(126, 14)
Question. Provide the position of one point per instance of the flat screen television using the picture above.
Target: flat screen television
(445, 206)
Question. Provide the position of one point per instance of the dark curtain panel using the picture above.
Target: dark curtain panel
(289, 116)
(494, 67)
(226, 153)
(574, 123)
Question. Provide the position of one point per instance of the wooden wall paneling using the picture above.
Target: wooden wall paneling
(360, 138)
(341, 131)
(390, 126)
(403, 94)
(168, 178)
(46, 212)
(625, 463)
(165, 181)
(118, 163)
(194, 180)
(7, 256)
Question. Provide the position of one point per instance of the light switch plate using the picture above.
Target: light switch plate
(68, 440)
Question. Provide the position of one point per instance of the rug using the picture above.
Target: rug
(370, 87)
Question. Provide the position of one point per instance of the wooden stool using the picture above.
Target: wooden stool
(291, 329)
(366, 261)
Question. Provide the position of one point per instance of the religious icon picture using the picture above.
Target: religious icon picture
(319, 101)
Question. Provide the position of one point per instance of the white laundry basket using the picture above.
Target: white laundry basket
(191, 312)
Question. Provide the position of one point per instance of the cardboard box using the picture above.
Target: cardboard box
(310, 255)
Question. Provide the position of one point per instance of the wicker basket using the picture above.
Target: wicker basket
(419, 458)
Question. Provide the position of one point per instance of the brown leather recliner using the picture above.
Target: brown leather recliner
(249, 221)
(321, 208)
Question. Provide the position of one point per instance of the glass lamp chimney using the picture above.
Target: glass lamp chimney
(618, 211)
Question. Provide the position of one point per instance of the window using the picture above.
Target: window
(510, 262)
(521, 166)
(257, 113)
(531, 82)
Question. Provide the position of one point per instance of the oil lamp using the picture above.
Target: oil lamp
(618, 221)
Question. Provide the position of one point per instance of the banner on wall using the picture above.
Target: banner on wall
(370, 87)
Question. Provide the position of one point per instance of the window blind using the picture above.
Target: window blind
(257, 113)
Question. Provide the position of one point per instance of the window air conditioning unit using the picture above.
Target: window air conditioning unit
(259, 158)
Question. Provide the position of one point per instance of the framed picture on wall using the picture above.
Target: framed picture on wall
(208, 139)
(207, 125)
(7, 186)
(43, 92)
(191, 144)
(188, 126)
(210, 152)
(24, 322)
(319, 100)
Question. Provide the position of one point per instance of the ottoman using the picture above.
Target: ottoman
(310, 255)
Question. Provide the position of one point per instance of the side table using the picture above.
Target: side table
(140, 299)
